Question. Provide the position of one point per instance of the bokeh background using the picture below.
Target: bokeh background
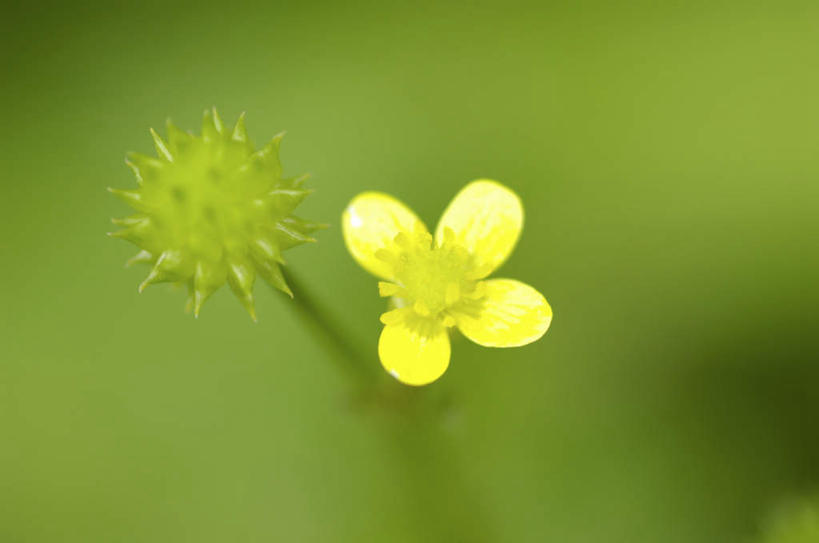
(666, 154)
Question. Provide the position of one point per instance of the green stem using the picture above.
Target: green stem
(329, 332)
(412, 420)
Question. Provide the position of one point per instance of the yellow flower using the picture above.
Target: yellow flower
(437, 283)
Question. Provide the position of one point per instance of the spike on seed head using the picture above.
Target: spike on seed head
(217, 121)
(178, 140)
(212, 209)
(239, 131)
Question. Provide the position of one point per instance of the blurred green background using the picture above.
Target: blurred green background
(666, 154)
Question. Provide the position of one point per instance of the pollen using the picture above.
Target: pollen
(429, 279)
(212, 209)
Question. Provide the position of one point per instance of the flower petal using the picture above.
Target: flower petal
(414, 354)
(512, 314)
(370, 222)
(486, 218)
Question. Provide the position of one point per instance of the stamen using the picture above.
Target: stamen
(386, 289)
(386, 256)
(478, 292)
(429, 276)
(421, 308)
(402, 240)
(453, 293)
(395, 316)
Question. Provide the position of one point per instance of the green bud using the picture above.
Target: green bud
(212, 209)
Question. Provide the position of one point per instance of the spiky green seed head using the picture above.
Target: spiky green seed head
(212, 209)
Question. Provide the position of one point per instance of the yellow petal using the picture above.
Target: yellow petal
(414, 354)
(371, 222)
(512, 314)
(486, 218)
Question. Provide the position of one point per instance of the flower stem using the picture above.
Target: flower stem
(413, 423)
(329, 332)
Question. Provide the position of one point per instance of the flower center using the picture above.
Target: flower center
(204, 201)
(430, 279)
